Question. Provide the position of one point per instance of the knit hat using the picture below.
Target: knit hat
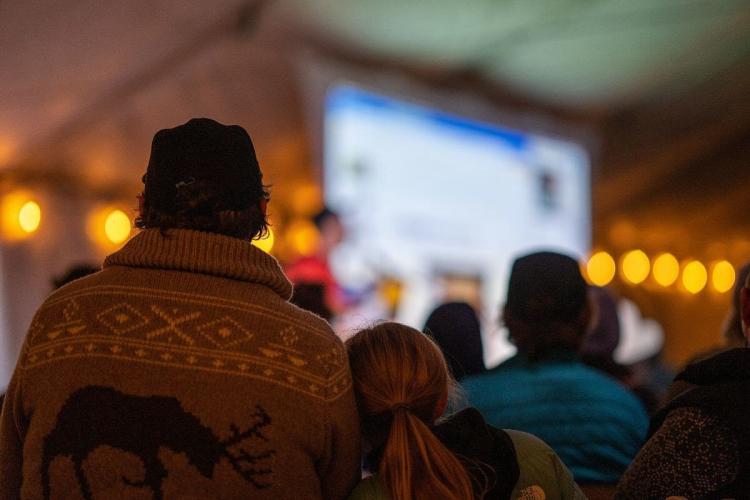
(206, 150)
(546, 286)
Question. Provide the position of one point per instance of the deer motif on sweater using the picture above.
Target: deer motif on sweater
(96, 416)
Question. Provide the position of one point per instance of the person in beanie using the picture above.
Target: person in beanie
(181, 370)
(592, 422)
(455, 328)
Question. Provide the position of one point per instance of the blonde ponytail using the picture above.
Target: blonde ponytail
(401, 381)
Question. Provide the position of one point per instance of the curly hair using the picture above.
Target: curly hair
(200, 206)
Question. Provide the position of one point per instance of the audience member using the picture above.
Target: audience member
(73, 273)
(312, 297)
(181, 369)
(456, 330)
(594, 423)
(316, 268)
(402, 386)
(699, 445)
(598, 350)
(732, 334)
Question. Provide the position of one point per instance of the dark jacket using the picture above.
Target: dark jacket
(720, 387)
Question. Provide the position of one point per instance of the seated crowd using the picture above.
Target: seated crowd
(182, 370)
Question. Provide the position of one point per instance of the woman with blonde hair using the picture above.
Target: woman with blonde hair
(403, 385)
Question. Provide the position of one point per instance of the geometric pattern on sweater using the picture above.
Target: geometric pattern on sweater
(188, 331)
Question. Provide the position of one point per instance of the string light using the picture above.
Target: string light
(635, 266)
(722, 276)
(30, 216)
(600, 269)
(117, 226)
(108, 227)
(694, 277)
(21, 215)
(666, 269)
(302, 237)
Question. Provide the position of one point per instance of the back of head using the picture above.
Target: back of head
(733, 334)
(604, 335)
(455, 328)
(204, 175)
(312, 297)
(401, 383)
(73, 273)
(547, 305)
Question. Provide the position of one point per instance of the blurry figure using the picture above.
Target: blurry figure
(73, 273)
(184, 345)
(548, 190)
(597, 350)
(402, 385)
(599, 347)
(604, 335)
(732, 333)
(699, 444)
(594, 424)
(456, 330)
(311, 297)
(316, 268)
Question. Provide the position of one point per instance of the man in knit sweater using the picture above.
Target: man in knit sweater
(181, 370)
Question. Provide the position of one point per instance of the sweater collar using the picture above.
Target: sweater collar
(201, 252)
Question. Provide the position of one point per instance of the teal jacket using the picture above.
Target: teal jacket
(594, 424)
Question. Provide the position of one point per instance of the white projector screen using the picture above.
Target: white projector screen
(425, 194)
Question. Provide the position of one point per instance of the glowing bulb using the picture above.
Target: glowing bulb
(694, 277)
(302, 236)
(117, 226)
(666, 269)
(306, 199)
(20, 215)
(29, 216)
(722, 276)
(265, 244)
(635, 266)
(600, 268)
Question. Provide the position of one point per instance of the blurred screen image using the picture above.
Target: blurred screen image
(424, 194)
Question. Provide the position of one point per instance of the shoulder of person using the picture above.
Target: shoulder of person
(542, 473)
(527, 444)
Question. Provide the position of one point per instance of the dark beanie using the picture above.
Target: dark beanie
(546, 286)
(203, 150)
(455, 329)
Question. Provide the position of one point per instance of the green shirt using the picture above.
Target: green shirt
(542, 475)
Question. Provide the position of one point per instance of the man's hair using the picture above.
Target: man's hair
(200, 206)
(321, 217)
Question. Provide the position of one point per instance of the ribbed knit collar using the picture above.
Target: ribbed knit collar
(206, 253)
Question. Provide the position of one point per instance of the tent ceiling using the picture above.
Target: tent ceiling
(85, 84)
(574, 52)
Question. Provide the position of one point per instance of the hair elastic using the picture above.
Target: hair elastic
(400, 407)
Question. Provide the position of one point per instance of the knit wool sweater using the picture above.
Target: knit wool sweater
(179, 371)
